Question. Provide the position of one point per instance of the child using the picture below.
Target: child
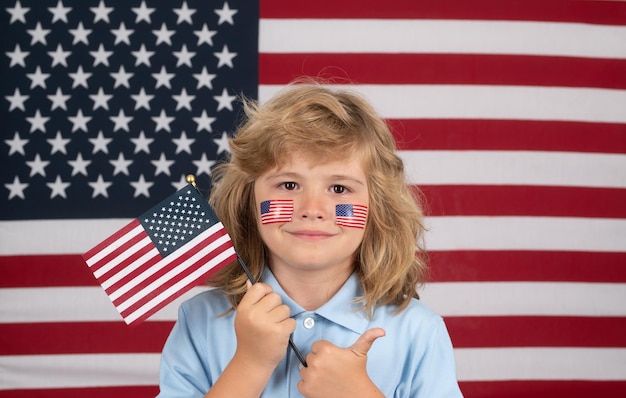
(315, 200)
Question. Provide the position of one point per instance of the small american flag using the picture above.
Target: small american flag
(276, 211)
(161, 255)
(353, 216)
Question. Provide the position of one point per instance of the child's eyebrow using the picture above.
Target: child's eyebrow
(342, 177)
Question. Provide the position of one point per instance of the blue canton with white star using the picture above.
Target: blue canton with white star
(106, 105)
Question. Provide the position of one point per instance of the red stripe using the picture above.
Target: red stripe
(45, 271)
(540, 266)
(511, 200)
(465, 134)
(91, 392)
(149, 263)
(445, 69)
(198, 245)
(108, 241)
(82, 338)
(543, 389)
(528, 331)
(121, 250)
(601, 12)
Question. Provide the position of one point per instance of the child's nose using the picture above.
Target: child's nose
(310, 206)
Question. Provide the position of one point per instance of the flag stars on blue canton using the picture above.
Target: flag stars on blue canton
(118, 100)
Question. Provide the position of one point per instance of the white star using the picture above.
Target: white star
(141, 186)
(226, 14)
(163, 35)
(16, 188)
(163, 78)
(204, 122)
(16, 144)
(59, 13)
(143, 13)
(59, 57)
(142, 143)
(163, 121)
(184, 56)
(183, 144)
(58, 100)
(203, 165)
(58, 187)
(121, 77)
(205, 79)
(58, 143)
(80, 77)
(121, 121)
(18, 13)
(122, 34)
(142, 100)
(38, 35)
(37, 166)
(17, 100)
(80, 34)
(184, 14)
(162, 165)
(205, 35)
(101, 56)
(142, 56)
(100, 187)
(79, 165)
(180, 184)
(183, 100)
(101, 12)
(17, 56)
(38, 79)
(79, 122)
(225, 57)
(100, 100)
(100, 143)
(222, 143)
(121, 165)
(37, 122)
(224, 101)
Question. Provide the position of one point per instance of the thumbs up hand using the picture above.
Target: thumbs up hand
(339, 372)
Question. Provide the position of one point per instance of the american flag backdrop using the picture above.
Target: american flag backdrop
(510, 116)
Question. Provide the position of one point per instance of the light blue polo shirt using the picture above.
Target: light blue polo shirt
(414, 359)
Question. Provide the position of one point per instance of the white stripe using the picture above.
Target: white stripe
(71, 304)
(445, 233)
(179, 286)
(115, 245)
(488, 102)
(515, 168)
(44, 237)
(528, 363)
(119, 275)
(165, 264)
(76, 304)
(122, 257)
(84, 370)
(441, 36)
(526, 233)
(525, 298)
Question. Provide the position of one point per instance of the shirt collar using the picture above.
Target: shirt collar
(340, 309)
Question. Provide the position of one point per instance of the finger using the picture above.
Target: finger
(255, 293)
(365, 341)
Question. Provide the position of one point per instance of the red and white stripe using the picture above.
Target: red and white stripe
(280, 211)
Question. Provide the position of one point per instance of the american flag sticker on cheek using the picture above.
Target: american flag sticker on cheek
(276, 211)
(349, 215)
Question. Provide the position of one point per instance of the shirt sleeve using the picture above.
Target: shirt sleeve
(182, 371)
(436, 376)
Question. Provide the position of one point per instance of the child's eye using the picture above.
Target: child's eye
(338, 189)
(290, 185)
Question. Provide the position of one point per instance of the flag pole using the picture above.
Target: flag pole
(191, 179)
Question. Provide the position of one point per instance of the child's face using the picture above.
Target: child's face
(312, 239)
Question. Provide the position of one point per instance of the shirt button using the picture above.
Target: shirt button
(309, 323)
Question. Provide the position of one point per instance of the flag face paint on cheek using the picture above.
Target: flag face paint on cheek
(276, 211)
(351, 215)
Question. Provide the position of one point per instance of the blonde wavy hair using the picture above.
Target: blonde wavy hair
(327, 125)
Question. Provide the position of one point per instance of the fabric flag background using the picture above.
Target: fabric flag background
(161, 255)
(511, 117)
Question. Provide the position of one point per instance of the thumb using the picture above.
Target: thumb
(365, 341)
